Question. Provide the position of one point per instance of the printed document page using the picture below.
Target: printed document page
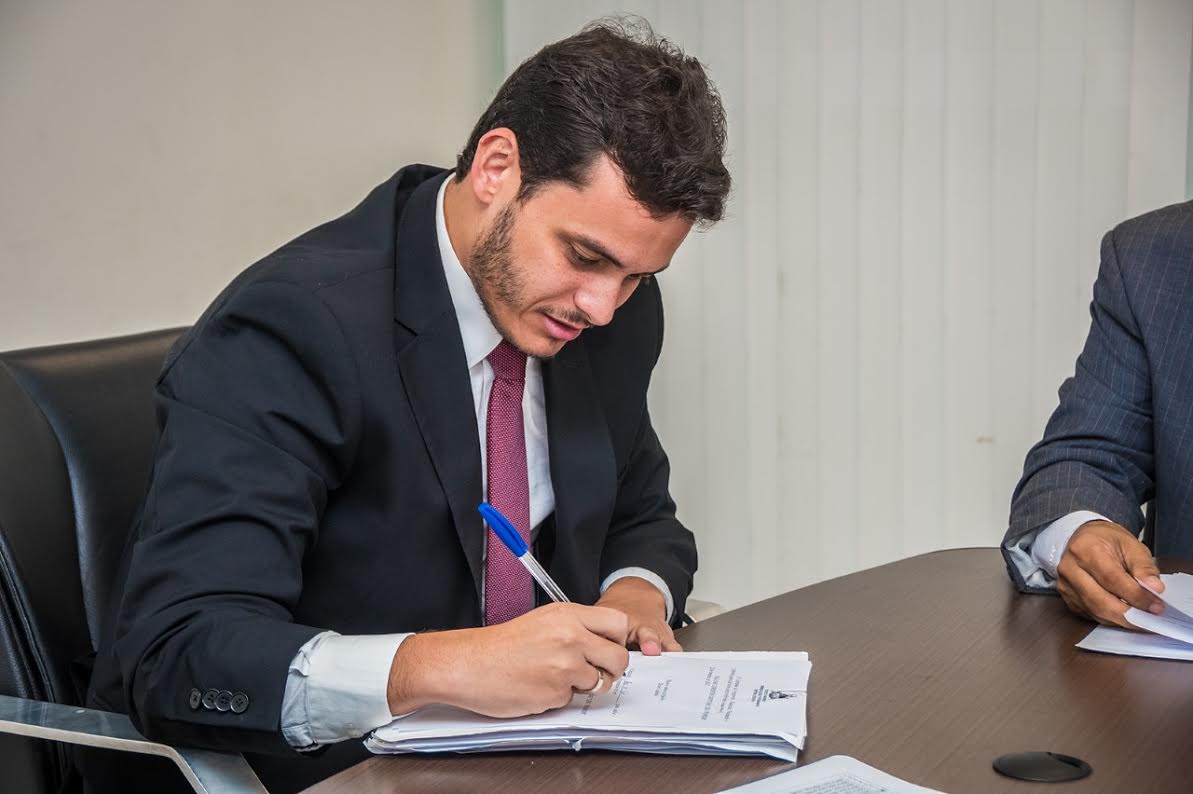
(712, 703)
(839, 774)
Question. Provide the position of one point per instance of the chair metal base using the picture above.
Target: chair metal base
(208, 772)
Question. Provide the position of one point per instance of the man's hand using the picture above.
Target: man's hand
(1096, 576)
(526, 666)
(646, 609)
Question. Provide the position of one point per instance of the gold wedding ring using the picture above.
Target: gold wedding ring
(600, 682)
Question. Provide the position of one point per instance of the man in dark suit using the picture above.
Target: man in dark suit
(1120, 437)
(331, 423)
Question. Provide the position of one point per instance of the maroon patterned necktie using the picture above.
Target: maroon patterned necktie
(509, 590)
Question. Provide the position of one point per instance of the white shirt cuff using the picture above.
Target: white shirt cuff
(649, 576)
(1037, 554)
(336, 688)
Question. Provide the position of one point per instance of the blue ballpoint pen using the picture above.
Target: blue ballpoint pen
(503, 529)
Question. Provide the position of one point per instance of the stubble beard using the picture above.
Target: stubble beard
(493, 275)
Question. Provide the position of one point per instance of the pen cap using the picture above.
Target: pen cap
(503, 529)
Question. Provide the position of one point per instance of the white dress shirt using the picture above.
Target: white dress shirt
(336, 685)
(1037, 554)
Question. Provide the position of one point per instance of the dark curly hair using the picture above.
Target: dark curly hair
(616, 88)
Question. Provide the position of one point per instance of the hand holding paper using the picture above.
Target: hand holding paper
(1101, 569)
(1176, 619)
(1170, 632)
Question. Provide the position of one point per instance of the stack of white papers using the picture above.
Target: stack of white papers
(719, 703)
(1171, 632)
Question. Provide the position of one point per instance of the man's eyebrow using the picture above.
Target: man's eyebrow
(600, 250)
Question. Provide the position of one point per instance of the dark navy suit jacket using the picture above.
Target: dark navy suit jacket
(318, 468)
(1122, 435)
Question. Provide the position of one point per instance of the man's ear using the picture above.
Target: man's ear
(496, 174)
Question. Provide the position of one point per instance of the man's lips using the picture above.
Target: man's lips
(561, 330)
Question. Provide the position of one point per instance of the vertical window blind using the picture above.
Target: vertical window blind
(858, 358)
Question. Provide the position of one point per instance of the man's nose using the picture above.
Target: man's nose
(598, 299)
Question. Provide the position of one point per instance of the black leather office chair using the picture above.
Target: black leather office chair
(76, 442)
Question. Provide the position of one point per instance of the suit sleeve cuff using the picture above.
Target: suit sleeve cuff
(336, 688)
(649, 576)
(1036, 555)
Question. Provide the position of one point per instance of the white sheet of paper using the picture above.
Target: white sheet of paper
(1106, 639)
(733, 703)
(838, 774)
(1168, 626)
(1175, 620)
(1178, 593)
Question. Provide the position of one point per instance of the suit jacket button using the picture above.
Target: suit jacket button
(196, 699)
(223, 701)
(240, 703)
(209, 698)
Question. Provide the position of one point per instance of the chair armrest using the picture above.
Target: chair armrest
(208, 772)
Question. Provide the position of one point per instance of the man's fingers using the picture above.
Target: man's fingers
(611, 624)
(594, 681)
(1071, 599)
(1098, 603)
(1113, 557)
(1141, 566)
(649, 641)
(609, 656)
(1118, 582)
(655, 639)
(1066, 595)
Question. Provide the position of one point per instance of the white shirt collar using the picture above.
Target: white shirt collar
(476, 329)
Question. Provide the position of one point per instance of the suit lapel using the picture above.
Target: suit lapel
(434, 371)
(583, 470)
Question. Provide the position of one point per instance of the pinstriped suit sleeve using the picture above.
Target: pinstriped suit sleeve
(1097, 452)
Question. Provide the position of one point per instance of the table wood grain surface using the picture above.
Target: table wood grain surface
(927, 668)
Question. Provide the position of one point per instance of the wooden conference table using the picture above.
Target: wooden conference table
(927, 668)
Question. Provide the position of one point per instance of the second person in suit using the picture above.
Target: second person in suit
(1120, 438)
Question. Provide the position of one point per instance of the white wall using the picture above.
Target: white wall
(859, 357)
(150, 151)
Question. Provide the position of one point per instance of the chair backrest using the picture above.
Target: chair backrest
(76, 442)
